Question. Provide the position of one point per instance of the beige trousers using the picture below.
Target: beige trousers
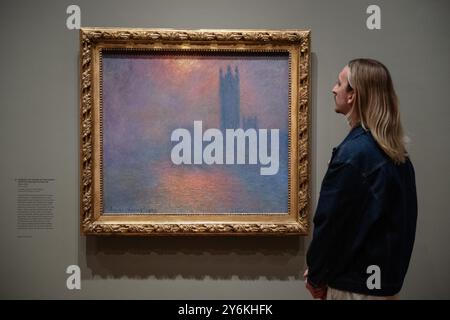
(335, 294)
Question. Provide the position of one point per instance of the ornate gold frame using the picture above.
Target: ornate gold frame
(295, 42)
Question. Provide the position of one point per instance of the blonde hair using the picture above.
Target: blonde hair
(377, 106)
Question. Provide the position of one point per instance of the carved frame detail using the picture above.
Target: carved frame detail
(93, 40)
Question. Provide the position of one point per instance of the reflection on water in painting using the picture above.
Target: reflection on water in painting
(168, 188)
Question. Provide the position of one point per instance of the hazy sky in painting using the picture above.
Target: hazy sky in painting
(183, 89)
(146, 97)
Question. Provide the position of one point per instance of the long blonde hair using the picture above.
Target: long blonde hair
(377, 106)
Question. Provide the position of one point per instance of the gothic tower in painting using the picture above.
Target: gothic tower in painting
(230, 114)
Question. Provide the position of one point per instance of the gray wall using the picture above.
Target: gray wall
(39, 138)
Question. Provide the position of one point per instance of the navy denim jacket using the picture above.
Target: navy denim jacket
(366, 215)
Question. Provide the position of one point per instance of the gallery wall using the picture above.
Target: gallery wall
(39, 140)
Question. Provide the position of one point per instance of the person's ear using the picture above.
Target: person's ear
(351, 97)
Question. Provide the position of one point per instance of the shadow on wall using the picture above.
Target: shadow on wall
(219, 257)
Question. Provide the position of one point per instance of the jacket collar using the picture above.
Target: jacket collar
(355, 132)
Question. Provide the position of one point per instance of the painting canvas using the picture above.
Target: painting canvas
(194, 131)
(146, 97)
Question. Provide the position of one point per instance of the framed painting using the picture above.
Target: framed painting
(194, 131)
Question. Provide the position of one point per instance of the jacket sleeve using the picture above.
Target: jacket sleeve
(337, 202)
